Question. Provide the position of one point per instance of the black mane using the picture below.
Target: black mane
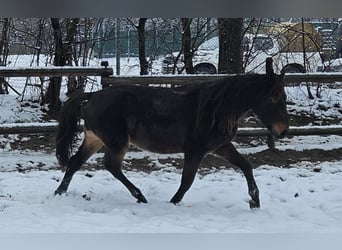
(222, 102)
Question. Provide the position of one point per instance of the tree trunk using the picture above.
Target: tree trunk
(142, 52)
(64, 54)
(74, 84)
(4, 50)
(186, 43)
(230, 52)
(53, 91)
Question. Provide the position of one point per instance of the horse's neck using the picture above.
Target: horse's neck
(249, 100)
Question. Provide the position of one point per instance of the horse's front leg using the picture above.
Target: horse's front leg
(229, 153)
(192, 161)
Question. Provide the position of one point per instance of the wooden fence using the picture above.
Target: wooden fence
(108, 79)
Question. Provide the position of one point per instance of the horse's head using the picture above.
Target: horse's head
(272, 109)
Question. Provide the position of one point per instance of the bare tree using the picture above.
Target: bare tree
(230, 51)
(193, 32)
(4, 50)
(70, 53)
(64, 32)
(53, 91)
(35, 42)
(89, 37)
(142, 50)
(187, 45)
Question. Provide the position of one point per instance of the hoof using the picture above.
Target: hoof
(174, 201)
(254, 204)
(59, 191)
(141, 199)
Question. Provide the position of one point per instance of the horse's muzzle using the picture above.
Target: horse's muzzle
(280, 129)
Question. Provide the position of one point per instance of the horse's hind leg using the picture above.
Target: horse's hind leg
(113, 164)
(91, 144)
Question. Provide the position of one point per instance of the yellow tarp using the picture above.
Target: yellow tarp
(290, 37)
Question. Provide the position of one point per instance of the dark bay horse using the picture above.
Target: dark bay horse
(197, 121)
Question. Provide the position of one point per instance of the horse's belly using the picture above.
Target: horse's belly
(160, 140)
(158, 147)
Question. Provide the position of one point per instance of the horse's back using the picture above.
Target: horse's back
(133, 99)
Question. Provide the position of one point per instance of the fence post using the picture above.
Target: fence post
(104, 83)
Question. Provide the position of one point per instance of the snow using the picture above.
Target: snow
(13, 111)
(293, 200)
(327, 107)
(304, 197)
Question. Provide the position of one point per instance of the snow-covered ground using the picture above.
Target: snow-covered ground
(293, 200)
(303, 197)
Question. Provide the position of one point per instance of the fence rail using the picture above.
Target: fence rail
(55, 71)
(107, 77)
(51, 127)
(291, 79)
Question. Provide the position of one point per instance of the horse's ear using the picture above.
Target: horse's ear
(276, 84)
(269, 66)
(277, 89)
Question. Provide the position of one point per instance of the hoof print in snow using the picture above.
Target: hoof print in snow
(56, 179)
(317, 170)
(86, 197)
(89, 175)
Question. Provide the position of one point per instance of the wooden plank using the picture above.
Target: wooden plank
(159, 80)
(322, 77)
(55, 71)
(293, 131)
(27, 128)
(291, 79)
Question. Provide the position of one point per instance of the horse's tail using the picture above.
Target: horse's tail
(67, 128)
